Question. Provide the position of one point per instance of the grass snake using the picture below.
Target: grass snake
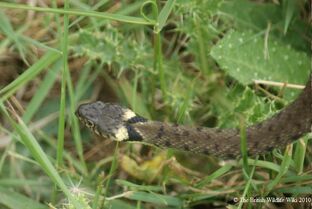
(121, 124)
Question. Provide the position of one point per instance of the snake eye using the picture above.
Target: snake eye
(89, 123)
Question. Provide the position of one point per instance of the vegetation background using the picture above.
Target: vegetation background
(187, 62)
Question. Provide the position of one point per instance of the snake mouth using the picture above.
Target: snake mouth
(86, 123)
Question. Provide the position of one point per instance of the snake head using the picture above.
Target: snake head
(106, 119)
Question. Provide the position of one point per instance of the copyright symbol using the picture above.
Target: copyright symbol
(235, 199)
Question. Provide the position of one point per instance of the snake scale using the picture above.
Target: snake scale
(121, 124)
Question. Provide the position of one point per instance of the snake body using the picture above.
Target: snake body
(121, 124)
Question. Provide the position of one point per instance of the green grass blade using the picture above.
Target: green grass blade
(88, 8)
(99, 189)
(15, 182)
(264, 164)
(138, 187)
(290, 7)
(13, 199)
(158, 64)
(243, 147)
(300, 152)
(75, 122)
(127, 90)
(247, 186)
(158, 56)
(86, 80)
(224, 169)
(283, 169)
(73, 161)
(39, 44)
(294, 179)
(42, 92)
(158, 199)
(112, 169)
(72, 98)
(37, 152)
(6, 151)
(29, 74)
(61, 125)
(7, 29)
(298, 190)
(154, 9)
(102, 15)
(164, 14)
(202, 49)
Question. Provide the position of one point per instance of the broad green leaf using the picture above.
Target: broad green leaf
(246, 56)
(254, 15)
(258, 16)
